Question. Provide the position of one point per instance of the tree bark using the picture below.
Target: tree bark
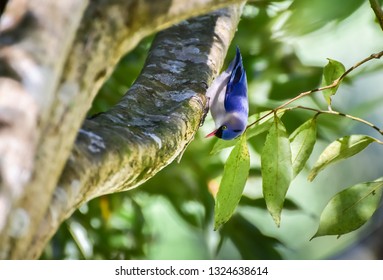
(49, 76)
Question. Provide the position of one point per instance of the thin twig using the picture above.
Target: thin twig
(373, 56)
(334, 84)
(76, 240)
(375, 5)
(342, 115)
(303, 94)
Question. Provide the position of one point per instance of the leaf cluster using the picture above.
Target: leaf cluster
(284, 156)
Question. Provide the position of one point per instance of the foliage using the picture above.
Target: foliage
(340, 149)
(204, 190)
(277, 169)
(233, 180)
(332, 71)
(350, 209)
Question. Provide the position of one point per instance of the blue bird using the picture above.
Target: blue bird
(228, 101)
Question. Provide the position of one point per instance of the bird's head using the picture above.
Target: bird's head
(227, 132)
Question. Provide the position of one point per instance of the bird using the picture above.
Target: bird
(228, 101)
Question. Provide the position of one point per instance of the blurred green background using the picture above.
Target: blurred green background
(284, 46)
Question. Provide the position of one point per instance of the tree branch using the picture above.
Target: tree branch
(336, 113)
(335, 83)
(148, 129)
(33, 48)
(377, 8)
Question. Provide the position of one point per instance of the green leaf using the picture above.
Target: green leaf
(302, 142)
(302, 14)
(233, 182)
(342, 148)
(332, 71)
(277, 171)
(255, 130)
(350, 209)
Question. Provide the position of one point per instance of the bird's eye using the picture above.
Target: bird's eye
(224, 127)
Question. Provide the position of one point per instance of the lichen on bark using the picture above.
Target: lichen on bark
(122, 148)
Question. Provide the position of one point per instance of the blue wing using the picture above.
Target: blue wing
(236, 90)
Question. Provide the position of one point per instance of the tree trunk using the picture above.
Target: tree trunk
(54, 56)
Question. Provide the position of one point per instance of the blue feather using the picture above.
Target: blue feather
(228, 101)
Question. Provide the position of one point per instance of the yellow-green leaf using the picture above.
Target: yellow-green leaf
(350, 209)
(276, 167)
(332, 71)
(302, 142)
(233, 182)
(342, 148)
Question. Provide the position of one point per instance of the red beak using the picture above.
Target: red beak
(211, 134)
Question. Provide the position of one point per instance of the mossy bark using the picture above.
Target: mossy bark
(54, 57)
